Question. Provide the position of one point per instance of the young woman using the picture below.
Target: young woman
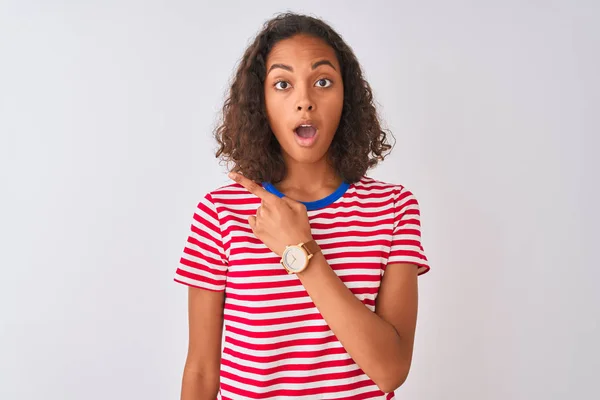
(310, 265)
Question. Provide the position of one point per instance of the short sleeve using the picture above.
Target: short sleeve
(406, 244)
(203, 263)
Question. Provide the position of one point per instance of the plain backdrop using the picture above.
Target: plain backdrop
(106, 117)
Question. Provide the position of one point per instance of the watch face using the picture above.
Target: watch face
(294, 258)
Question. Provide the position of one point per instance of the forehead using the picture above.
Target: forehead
(301, 49)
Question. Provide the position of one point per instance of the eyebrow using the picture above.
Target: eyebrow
(314, 66)
(323, 62)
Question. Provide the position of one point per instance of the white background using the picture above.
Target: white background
(106, 114)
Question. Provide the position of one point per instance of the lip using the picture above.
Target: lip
(306, 122)
(306, 142)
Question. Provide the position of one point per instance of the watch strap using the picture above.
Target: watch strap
(311, 247)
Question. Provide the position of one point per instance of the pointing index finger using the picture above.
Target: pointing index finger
(253, 187)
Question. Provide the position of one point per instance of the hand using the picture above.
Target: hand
(279, 222)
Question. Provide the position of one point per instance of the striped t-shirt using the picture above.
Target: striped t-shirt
(277, 345)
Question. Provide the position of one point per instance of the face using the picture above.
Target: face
(304, 96)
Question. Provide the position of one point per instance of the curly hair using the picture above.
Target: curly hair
(244, 136)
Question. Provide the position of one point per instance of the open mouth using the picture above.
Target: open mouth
(306, 131)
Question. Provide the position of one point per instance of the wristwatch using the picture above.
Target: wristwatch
(295, 258)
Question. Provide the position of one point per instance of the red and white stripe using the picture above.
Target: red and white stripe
(277, 344)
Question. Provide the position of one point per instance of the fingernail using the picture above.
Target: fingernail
(232, 175)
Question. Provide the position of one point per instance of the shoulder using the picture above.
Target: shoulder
(398, 195)
(367, 183)
(229, 194)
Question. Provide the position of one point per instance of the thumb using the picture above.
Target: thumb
(252, 222)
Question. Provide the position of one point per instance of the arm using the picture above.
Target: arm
(380, 343)
(201, 372)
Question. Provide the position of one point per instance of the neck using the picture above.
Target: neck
(309, 178)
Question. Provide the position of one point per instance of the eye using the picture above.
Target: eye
(282, 85)
(323, 83)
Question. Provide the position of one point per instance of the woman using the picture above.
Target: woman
(313, 270)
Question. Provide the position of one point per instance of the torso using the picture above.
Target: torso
(277, 345)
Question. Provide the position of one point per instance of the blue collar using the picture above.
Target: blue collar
(314, 205)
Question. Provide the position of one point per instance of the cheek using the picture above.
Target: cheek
(335, 97)
(333, 107)
(274, 108)
(276, 119)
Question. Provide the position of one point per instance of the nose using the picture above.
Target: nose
(307, 107)
(304, 102)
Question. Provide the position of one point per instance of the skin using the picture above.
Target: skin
(304, 81)
(205, 321)
(380, 342)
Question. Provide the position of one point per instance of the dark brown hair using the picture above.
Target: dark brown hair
(244, 136)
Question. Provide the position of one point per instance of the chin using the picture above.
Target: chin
(308, 156)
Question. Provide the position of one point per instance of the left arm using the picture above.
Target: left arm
(380, 343)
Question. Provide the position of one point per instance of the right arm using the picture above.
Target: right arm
(202, 366)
